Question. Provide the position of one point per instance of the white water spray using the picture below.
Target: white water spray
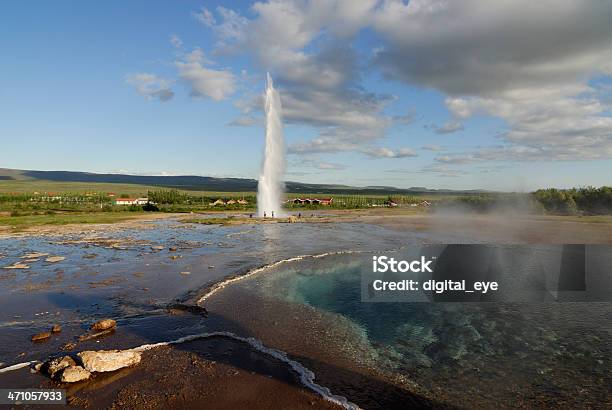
(270, 186)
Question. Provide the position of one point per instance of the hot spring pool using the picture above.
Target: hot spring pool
(462, 353)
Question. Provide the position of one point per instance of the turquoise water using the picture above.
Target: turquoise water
(545, 352)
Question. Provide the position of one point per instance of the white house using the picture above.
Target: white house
(131, 201)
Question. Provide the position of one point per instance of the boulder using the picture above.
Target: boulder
(41, 336)
(104, 324)
(173, 249)
(56, 329)
(74, 374)
(53, 366)
(108, 360)
(53, 259)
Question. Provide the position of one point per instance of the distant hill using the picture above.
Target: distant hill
(199, 183)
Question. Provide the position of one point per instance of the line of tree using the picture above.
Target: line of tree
(174, 200)
(589, 200)
(575, 201)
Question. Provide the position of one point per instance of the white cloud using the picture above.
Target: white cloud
(151, 86)
(327, 145)
(442, 171)
(205, 82)
(463, 47)
(448, 127)
(246, 122)
(230, 28)
(435, 148)
(204, 16)
(319, 87)
(545, 124)
(384, 152)
(312, 162)
(405, 119)
(322, 146)
(176, 41)
(526, 63)
(330, 166)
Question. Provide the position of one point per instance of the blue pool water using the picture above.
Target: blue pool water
(471, 351)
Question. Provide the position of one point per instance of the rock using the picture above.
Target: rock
(56, 329)
(53, 259)
(52, 367)
(292, 219)
(34, 255)
(104, 324)
(177, 308)
(74, 374)
(41, 336)
(173, 257)
(95, 335)
(173, 249)
(17, 265)
(38, 366)
(69, 346)
(108, 360)
(157, 248)
(185, 273)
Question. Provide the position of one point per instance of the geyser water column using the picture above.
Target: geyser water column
(270, 187)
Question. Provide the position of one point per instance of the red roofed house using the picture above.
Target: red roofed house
(314, 201)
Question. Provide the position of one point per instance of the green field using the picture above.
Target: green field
(25, 203)
(28, 201)
(133, 190)
(18, 223)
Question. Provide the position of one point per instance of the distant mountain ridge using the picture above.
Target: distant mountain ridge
(200, 183)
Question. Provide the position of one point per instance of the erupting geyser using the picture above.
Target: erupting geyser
(270, 185)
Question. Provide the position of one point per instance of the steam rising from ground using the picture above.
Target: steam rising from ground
(270, 185)
(504, 218)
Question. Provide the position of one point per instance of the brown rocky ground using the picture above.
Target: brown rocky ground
(210, 373)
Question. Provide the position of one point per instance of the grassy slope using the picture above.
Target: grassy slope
(28, 186)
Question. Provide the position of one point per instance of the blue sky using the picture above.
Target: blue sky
(440, 94)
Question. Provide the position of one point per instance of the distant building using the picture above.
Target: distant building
(131, 201)
(313, 201)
